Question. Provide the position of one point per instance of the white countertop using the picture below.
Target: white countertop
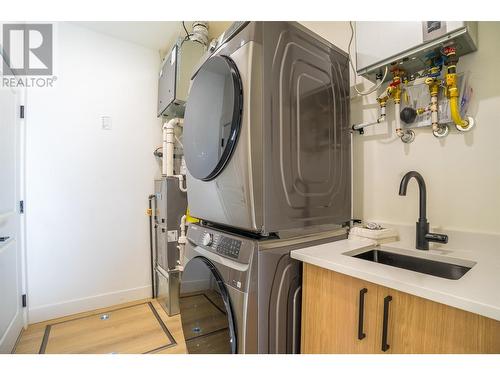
(478, 291)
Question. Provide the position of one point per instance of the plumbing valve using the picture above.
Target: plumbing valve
(394, 91)
(438, 130)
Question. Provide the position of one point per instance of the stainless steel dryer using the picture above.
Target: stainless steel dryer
(242, 295)
(266, 130)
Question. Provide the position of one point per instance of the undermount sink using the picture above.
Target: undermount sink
(422, 265)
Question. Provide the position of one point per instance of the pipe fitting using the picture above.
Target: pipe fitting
(470, 124)
(440, 131)
(382, 99)
(182, 237)
(200, 32)
(181, 241)
(168, 145)
(408, 136)
(433, 84)
(181, 183)
(360, 127)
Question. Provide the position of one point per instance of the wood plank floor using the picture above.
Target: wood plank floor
(135, 327)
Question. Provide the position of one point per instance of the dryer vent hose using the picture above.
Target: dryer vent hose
(200, 32)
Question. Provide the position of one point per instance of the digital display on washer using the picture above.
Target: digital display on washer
(229, 247)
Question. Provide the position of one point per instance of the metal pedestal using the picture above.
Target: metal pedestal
(167, 290)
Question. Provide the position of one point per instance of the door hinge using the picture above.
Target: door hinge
(21, 207)
(21, 111)
(23, 299)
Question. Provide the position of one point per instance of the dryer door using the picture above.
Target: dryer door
(206, 314)
(213, 117)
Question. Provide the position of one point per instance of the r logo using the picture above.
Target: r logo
(27, 49)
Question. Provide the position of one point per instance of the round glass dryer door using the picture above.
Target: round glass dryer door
(212, 118)
(207, 319)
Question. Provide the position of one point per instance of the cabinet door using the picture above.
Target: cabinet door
(331, 313)
(418, 325)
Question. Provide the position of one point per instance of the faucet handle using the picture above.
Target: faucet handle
(436, 237)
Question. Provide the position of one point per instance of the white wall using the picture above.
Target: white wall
(87, 188)
(462, 172)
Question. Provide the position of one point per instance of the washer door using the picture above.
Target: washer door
(212, 118)
(207, 319)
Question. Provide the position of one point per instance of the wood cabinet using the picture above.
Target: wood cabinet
(342, 314)
(325, 312)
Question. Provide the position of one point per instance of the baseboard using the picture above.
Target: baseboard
(75, 306)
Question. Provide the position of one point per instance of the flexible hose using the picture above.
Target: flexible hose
(455, 113)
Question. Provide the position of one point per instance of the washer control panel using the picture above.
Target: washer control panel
(224, 244)
(229, 247)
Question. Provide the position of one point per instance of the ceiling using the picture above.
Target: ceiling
(157, 35)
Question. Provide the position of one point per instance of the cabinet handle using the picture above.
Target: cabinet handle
(4, 239)
(362, 293)
(385, 345)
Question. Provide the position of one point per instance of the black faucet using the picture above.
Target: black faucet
(423, 234)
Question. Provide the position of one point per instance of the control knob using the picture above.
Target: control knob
(207, 239)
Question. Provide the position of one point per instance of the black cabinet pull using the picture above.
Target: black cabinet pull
(385, 323)
(362, 293)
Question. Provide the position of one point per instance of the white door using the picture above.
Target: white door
(11, 259)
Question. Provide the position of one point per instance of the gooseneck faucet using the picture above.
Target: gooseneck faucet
(423, 234)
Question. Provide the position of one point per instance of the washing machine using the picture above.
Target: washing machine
(241, 294)
(266, 130)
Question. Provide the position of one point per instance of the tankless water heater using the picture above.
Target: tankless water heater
(407, 44)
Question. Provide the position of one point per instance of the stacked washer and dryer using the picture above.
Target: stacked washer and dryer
(267, 149)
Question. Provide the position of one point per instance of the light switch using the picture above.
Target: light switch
(106, 123)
